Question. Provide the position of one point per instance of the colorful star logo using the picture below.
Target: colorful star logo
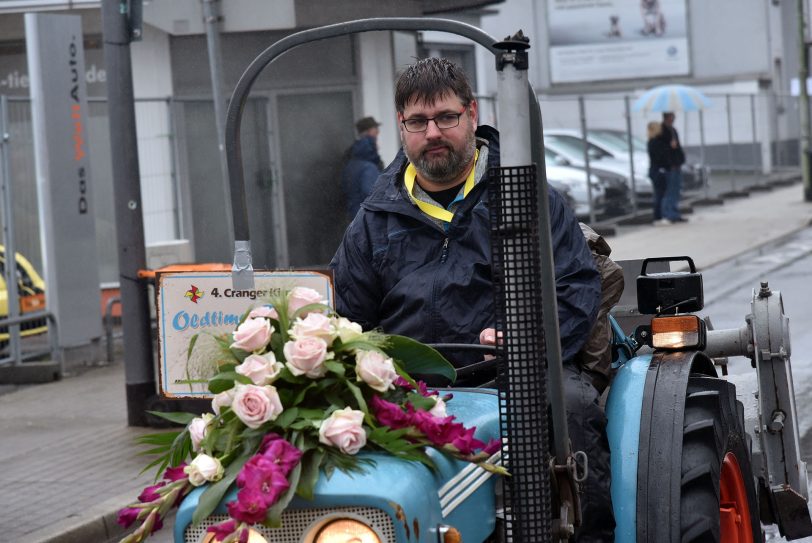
(194, 294)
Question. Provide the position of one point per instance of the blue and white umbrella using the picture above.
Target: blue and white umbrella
(672, 98)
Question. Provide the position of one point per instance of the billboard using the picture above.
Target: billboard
(594, 40)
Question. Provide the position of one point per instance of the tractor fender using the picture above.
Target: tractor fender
(641, 383)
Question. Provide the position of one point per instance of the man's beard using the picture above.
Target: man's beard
(444, 170)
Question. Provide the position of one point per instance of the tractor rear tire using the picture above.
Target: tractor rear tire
(717, 493)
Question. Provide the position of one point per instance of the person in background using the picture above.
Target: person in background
(674, 159)
(362, 165)
(657, 169)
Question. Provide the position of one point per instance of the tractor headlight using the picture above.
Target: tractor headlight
(344, 530)
(678, 332)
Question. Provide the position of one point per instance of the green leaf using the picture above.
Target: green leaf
(335, 367)
(421, 402)
(162, 462)
(311, 464)
(158, 439)
(274, 516)
(286, 417)
(226, 380)
(417, 357)
(212, 496)
(310, 308)
(359, 397)
(191, 347)
(178, 417)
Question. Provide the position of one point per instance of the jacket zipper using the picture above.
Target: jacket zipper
(444, 254)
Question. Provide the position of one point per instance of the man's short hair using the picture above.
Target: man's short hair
(429, 79)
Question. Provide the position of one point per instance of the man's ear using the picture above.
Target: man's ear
(473, 108)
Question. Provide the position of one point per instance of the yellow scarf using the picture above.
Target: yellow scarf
(433, 210)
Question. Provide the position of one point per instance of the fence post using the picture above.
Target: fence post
(626, 102)
(587, 169)
(10, 273)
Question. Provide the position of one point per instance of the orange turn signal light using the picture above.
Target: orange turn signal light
(678, 332)
(452, 535)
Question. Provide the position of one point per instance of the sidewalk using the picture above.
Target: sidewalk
(68, 457)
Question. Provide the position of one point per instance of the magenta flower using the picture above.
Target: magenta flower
(223, 530)
(285, 455)
(264, 475)
(176, 473)
(150, 493)
(492, 446)
(466, 443)
(390, 414)
(250, 506)
(127, 516)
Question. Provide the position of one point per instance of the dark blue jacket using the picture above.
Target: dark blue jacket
(397, 270)
(360, 173)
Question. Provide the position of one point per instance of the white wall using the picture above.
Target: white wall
(376, 71)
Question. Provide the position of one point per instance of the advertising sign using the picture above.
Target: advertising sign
(56, 64)
(594, 40)
(203, 305)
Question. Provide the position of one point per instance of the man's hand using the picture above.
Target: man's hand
(488, 336)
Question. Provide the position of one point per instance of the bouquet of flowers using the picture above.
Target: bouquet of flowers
(300, 391)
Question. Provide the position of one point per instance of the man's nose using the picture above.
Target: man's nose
(432, 130)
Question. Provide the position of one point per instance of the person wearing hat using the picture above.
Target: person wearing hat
(362, 165)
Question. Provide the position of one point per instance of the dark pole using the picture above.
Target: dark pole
(135, 316)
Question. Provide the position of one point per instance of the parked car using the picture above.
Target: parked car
(31, 289)
(615, 187)
(609, 193)
(571, 152)
(616, 142)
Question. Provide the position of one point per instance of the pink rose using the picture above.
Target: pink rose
(252, 335)
(302, 296)
(223, 399)
(263, 311)
(344, 430)
(376, 370)
(261, 369)
(255, 405)
(314, 325)
(198, 429)
(306, 356)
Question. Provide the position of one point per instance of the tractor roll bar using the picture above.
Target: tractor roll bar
(243, 270)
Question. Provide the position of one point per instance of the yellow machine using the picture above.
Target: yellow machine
(31, 290)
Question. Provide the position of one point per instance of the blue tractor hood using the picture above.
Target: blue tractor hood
(416, 499)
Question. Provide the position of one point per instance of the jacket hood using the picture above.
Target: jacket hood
(365, 149)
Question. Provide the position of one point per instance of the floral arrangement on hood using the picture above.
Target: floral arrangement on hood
(300, 391)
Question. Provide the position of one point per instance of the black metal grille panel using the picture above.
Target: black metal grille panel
(522, 373)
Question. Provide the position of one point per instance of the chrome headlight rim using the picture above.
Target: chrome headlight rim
(315, 527)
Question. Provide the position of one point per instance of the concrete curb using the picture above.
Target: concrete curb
(97, 524)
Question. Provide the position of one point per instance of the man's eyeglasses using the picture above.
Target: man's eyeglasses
(443, 121)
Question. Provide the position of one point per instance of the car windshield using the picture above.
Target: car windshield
(617, 139)
(575, 146)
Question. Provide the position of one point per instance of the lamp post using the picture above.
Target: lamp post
(803, 74)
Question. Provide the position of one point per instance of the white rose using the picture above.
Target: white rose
(204, 468)
(255, 405)
(198, 429)
(344, 430)
(439, 408)
(375, 370)
(347, 330)
(261, 369)
(223, 399)
(314, 325)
